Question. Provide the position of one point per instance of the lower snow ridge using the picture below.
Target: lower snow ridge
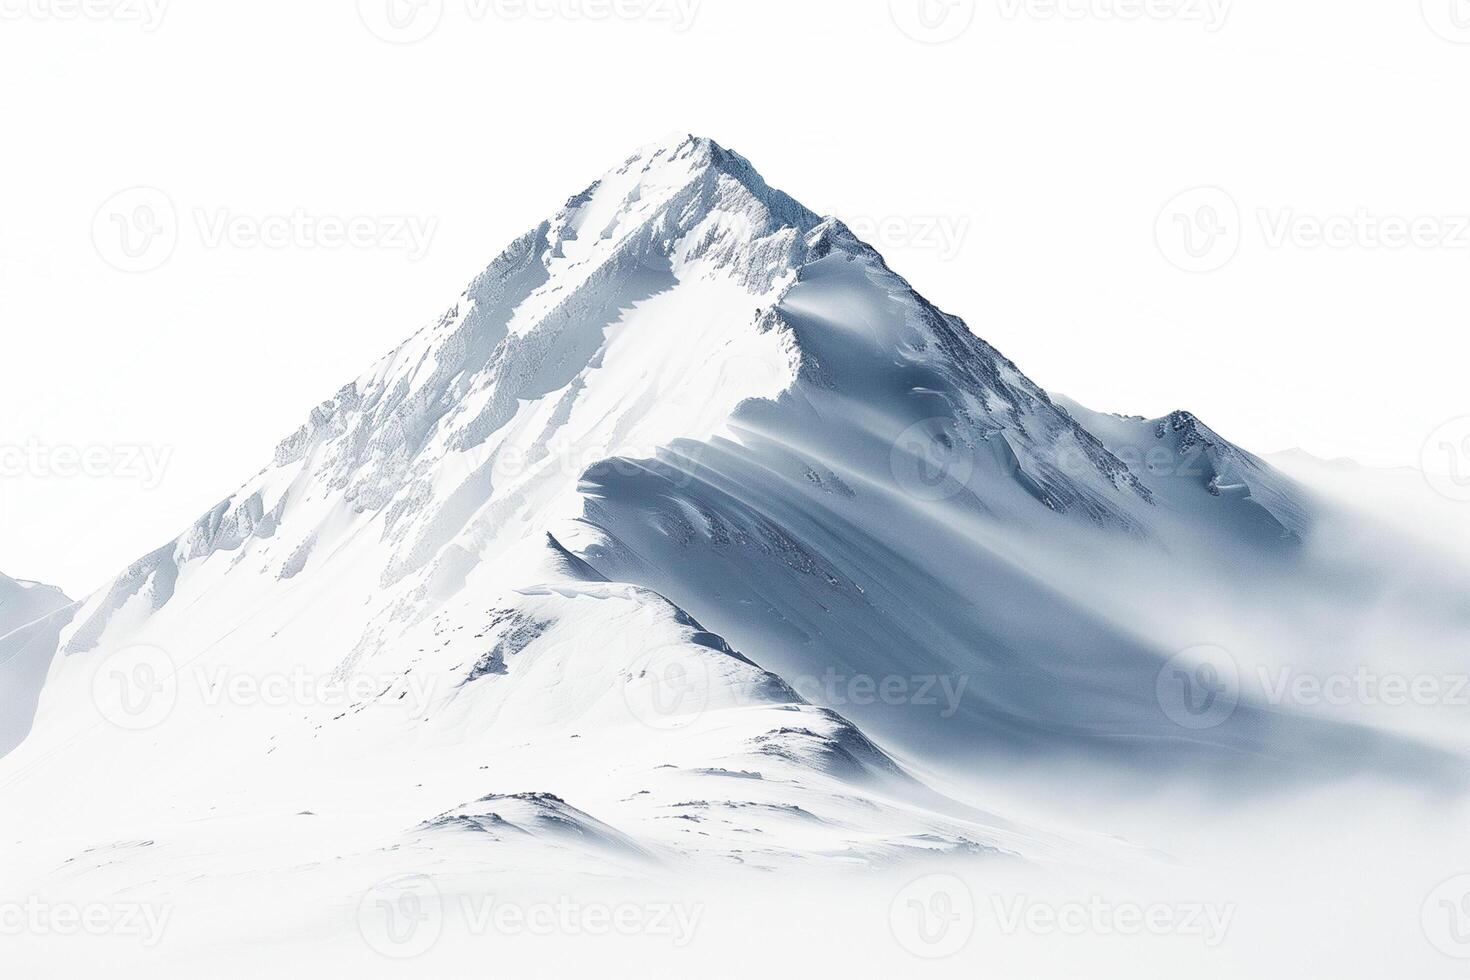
(661, 743)
(542, 816)
(591, 727)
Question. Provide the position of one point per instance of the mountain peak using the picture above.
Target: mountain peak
(682, 159)
(669, 296)
(11, 586)
(672, 144)
(679, 304)
(688, 150)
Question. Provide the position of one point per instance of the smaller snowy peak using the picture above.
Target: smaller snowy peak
(31, 618)
(12, 585)
(545, 817)
(1177, 455)
(1186, 435)
(1189, 432)
(27, 609)
(22, 600)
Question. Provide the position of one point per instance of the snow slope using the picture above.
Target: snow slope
(394, 574)
(700, 386)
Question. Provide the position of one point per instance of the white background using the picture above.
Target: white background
(1016, 173)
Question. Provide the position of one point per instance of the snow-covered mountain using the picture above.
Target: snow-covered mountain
(410, 570)
(687, 534)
